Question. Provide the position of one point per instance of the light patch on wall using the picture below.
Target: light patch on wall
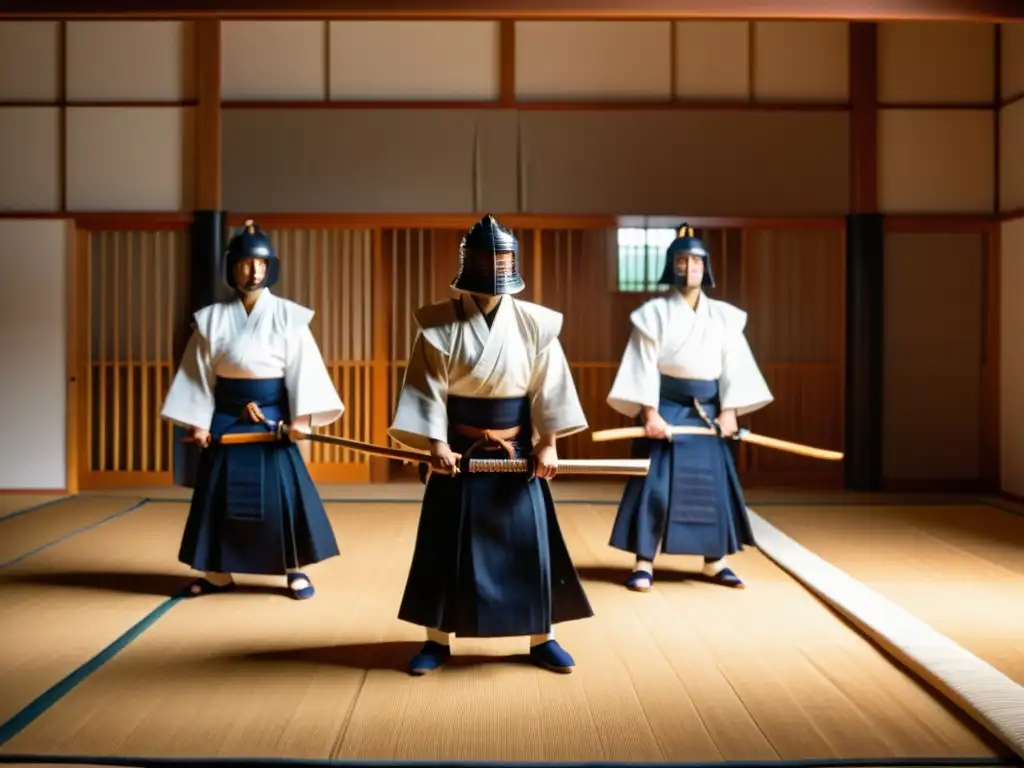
(33, 341)
(936, 161)
(444, 60)
(1011, 46)
(129, 159)
(1011, 157)
(801, 60)
(130, 61)
(712, 60)
(936, 62)
(28, 61)
(273, 60)
(29, 159)
(593, 60)
(1011, 359)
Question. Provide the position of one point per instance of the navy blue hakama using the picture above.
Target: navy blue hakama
(691, 501)
(490, 560)
(255, 509)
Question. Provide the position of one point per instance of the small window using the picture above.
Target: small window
(642, 258)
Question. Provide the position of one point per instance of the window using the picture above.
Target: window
(642, 258)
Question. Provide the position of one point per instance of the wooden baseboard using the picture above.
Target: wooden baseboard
(38, 491)
(1012, 497)
(912, 485)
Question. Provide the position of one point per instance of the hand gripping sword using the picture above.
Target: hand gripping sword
(278, 430)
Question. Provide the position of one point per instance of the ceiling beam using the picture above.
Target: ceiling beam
(862, 10)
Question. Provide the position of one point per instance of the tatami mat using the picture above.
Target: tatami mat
(17, 503)
(959, 569)
(57, 605)
(687, 672)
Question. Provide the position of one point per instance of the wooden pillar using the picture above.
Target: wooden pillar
(207, 230)
(381, 395)
(865, 240)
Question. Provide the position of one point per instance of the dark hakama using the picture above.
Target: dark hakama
(255, 508)
(490, 560)
(691, 502)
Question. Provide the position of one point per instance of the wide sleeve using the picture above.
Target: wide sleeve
(638, 382)
(555, 407)
(422, 412)
(741, 385)
(310, 388)
(189, 402)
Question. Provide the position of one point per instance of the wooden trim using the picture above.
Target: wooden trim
(997, 87)
(207, 123)
(415, 221)
(127, 220)
(990, 426)
(1016, 213)
(1012, 497)
(382, 317)
(864, 118)
(939, 105)
(937, 485)
(941, 223)
(507, 62)
(75, 312)
(556, 106)
(100, 481)
(40, 491)
(751, 62)
(979, 10)
(1009, 99)
(62, 113)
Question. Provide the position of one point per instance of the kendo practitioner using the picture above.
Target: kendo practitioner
(687, 363)
(254, 508)
(488, 378)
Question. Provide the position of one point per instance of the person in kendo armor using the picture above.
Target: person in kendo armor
(687, 363)
(488, 378)
(255, 509)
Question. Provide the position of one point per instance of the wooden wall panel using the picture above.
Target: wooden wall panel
(331, 271)
(792, 287)
(414, 60)
(273, 60)
(933, 356)
(29, 159)
(1011, 361)
(712, 60)
(1011, 156)
(598, 60)
(138, 303)
(937, 62)
(1012, 54)
(29, 61)
(748, 163)
(369, 160)
(801, 61)
(129, 159)
(124, 61)
(936, 161)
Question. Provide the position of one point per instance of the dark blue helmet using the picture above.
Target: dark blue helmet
(250, 243)
(686, 243)
(488, 260)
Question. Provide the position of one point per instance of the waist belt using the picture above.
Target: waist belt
(500, 437)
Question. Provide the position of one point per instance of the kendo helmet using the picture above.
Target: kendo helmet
(687, 243)
(250, 243)
(489, 260)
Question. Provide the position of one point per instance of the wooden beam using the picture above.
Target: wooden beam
(207, 116)
(863, 117)
(868, 10)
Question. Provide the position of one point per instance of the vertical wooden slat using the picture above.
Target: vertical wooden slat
(101, 463)
(383, 338)
(74, 278)
(146, 367)
(130, 358)
(161, 302)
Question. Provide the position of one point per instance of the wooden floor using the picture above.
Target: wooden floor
(96, 661)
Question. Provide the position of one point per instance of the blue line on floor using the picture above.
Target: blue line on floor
(36, 708)
(281, 762)
(34, 507)
(75, 532)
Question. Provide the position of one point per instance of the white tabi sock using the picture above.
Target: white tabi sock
(536, 640)
(715, 568)
(297, 584)
(644, 565)
(437, 636)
